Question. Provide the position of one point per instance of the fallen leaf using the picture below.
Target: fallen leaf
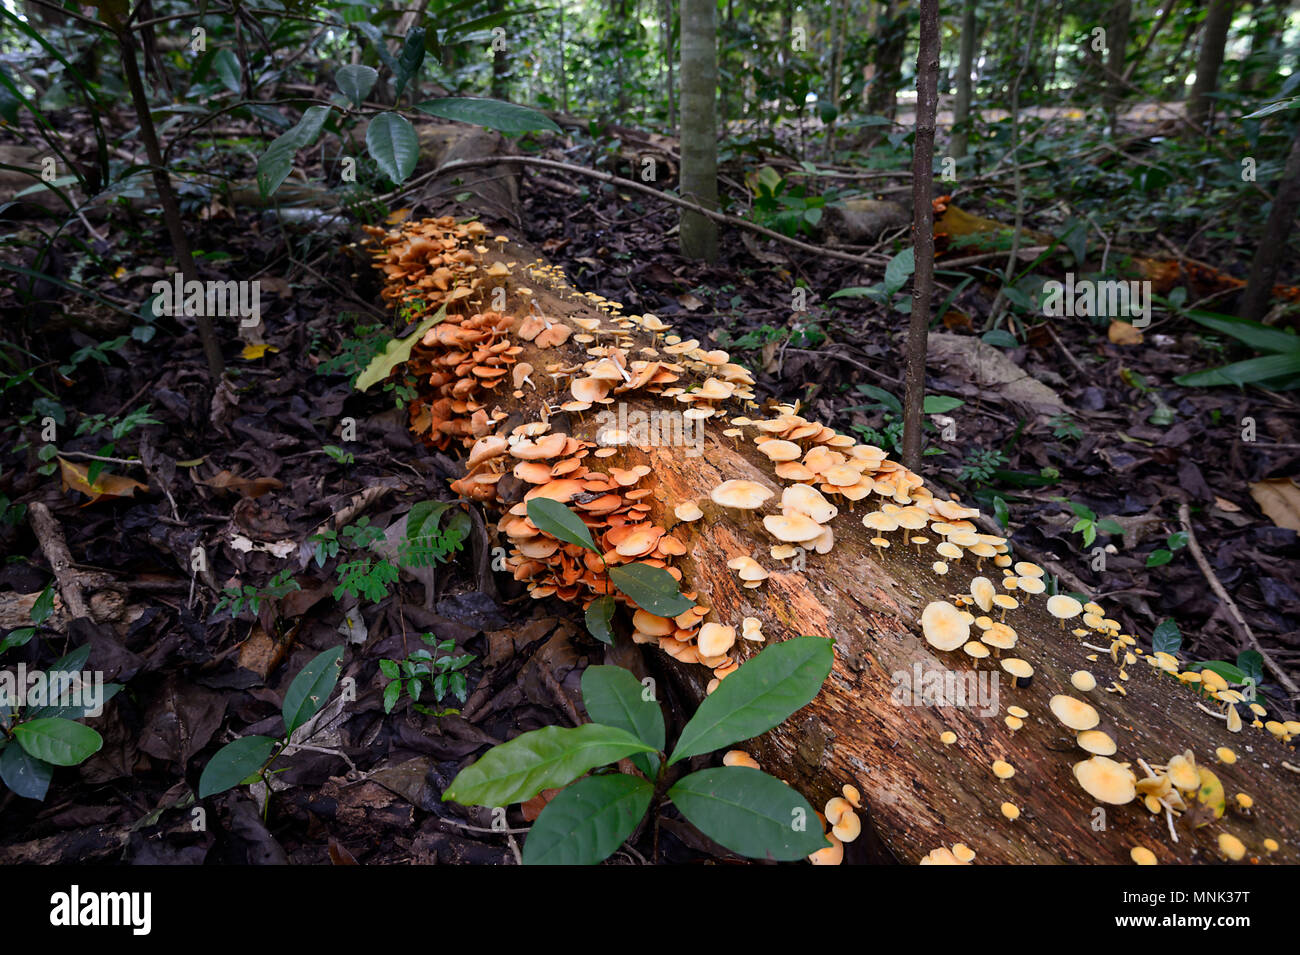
(689, 302)
(1279, 499)
(398, 215)
(77, 478)
(252, 352)
(1224, 504)
(249, 487)
(1122, 333)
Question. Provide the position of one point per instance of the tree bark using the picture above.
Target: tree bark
(863, 729)
(927, 105)
(966, 63)
(1200, 106)
(699, 173)
(1273, 243)
(1117, 42)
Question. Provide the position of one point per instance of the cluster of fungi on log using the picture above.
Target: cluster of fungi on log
(558, 365)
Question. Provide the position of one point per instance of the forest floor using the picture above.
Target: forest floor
(370, 792)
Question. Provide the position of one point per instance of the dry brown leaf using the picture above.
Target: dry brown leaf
(1223, 504)
(1122, 333)
(249, 487)
(105, 485)
(1279, 499)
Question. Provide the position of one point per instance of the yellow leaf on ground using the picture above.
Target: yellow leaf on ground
(1122, 333)
(252, 352)
(77, 478)
(1279, 499)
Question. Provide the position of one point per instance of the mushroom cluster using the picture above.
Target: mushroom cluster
(843, 825)
(429, 262)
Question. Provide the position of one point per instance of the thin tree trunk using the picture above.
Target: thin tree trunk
(171, 211)
(1200, 106)
(1273, 243)
(699, 83)
(1117, 41)
(927, 105)
(966, 63)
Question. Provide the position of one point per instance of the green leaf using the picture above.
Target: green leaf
(226, 65)
(392, 693)
(1292, 102)
(547, 758)
(1251, 663)
(24, 774)
(17, 638)
(764, 691)
(940, 404)
(57, 741)
(651, 588)
(1158, 558)
(614, 697)
(44, 605)
(999, 338)
(492, 113)
(1110, 527)
(311, 688)
(599, 615)
(1245, 372)
(277, 162)
(396, 352)
(389, 669)
(393, 145)
(882, 396)
(1083, 511)
(552, 517)
(355, 82)
(1257, 335)
(1001, 512)
(749, 812)
(234, 763)
(899, 270)
(412, 56)
(586, 822)
(1166, 638)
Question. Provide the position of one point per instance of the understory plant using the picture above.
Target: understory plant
(435, 668)
(743, 809)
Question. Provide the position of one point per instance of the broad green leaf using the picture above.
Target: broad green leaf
(392, 693)
(355, 82)
(614, 697)
(311, 688)
(999, 338)
(1226, 670)
(859, 291)
(764, 691)
(547, 758)
(234, 763)
(899, 270)
(940, 404)
(1108, 526)
(651, 588)
(1160, 557)
(411, 57)
(1289, 103)
(23, 773)
(226, 65)
(884, 397)
(396, 352)
(1166, 638)
(586, 822)
(71, 706)
(552, 517)
(59, 742)
(393, 145)
(492, 113)
(749, 812)
(1246, 372)
(1001, 512)
(599, 616)
(17, 638)
(1251, 663)
(1255, 334)
(277, 162)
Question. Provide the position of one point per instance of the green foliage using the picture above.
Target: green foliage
(41, 610)
(980, 465)
(1277, 369)
(34, 739)
(247, 760)
(745, 810)
(367, 578)
(1087, 524)
(396, 352)
(252, 598)
(1163, 555)
(1063, 427)
(785, 207)
(338, 454)
(436, 669)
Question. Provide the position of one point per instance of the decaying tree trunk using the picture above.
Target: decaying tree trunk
(863, 729)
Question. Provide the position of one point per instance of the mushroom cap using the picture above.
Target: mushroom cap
(1141, 855)
(715, 639)
(1083, 681)
(944, 626)
(1096, 742)
(1063, 606)
(982, 592)
(849, 826)
(1231, 846)
(880, 521)
(1076, 714)
(833, 854)
(688, 511)
(742, 495)
(1018, 668)
(738, 757)
(1002, 769)
(778, 450)
(1106, 780)
(1031, 585)
(749, 569)
(808, 500)
(792, 527)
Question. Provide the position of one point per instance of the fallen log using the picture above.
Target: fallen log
(990, 726)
